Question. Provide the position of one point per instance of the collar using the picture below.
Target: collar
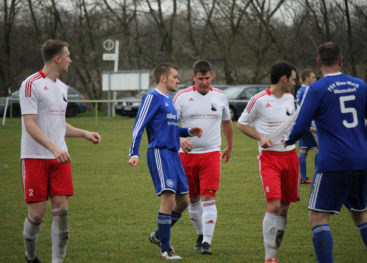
(42, 74)
(333, 74)
(194, 88)
(268, 91)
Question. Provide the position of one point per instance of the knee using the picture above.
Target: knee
(274, 208)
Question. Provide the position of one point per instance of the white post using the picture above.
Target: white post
(115, 69)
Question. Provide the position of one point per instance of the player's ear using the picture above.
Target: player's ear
(163, 78)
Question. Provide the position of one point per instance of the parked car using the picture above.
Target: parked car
(129, 105)
(72, 109)
(241, 92)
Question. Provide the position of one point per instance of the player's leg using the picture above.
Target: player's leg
(209, 177)
(32, 227)
(302, 155)
(59, 228)
(322, 238)
(61, 187)
(35, 184)
(357, 202)
(164, 218)
(195, 206)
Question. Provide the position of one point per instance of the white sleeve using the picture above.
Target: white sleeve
(226, 112)
(178, 106)
(249, 114)
(28, 98)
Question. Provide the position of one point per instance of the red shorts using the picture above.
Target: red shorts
(279, 174)
(202, 172)
(42, 178)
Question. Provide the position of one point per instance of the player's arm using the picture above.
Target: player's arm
(227, 127)
(146, 111)
(264, 141)
(30, 123)
(71, 131)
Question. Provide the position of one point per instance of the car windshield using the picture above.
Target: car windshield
(233, 93)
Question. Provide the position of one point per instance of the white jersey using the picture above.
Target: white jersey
(206, 111)
(268, 113)
(47, 99)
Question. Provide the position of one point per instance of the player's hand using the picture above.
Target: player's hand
(196, 131)
(186, 145)
(265, 142)
(61, 156)
(313, 129)
(94, 137)
(227, 153)
(134, 161)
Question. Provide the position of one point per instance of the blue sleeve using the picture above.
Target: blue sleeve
(299, 95)
(305, 117)
(184, 132)
(146, 112)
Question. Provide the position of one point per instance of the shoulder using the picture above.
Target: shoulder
(30, 81)
(263, 95)
(183, 93)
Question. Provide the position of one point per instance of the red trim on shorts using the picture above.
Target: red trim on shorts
(208, 192)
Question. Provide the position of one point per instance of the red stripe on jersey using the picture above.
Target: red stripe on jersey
(218, 90)
(251, 103)
(28, 84)
(181, 92)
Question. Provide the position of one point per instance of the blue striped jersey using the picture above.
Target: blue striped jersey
(158, 115)
(338, 104)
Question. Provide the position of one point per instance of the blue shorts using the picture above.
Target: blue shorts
(307, 141)
(167, 172)
(330, 190)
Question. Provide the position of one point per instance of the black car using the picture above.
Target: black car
(243, 93)
(72, 109)
(129, 106)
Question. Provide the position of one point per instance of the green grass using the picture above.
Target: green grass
(114, 207)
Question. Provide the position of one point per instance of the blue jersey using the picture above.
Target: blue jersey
(158, 115)
(299, 94)
(338, 104)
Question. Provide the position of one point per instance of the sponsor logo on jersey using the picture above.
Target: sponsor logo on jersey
(64, 99)
(171, 116)
(166, 104)
(288, 112)
(191, 99)
(45, 88)
(214, 107)
(267, 105)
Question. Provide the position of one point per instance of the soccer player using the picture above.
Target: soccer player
(338, 104)
(208, 107)
(45, 160)
(158, 115)
(307, 142)
(278, 165)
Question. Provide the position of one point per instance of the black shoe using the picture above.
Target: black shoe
(198, 242)
(205, 248)
(36, 260)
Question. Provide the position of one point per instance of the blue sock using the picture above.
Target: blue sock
(302, 165)
(323, 243)
(175, 217)
(164, 227)
(363, 231)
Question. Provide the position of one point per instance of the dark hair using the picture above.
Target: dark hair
(51, 48)
(329, 53)
(306, 74)
(280, 69)
(162, 69)
(202, 66)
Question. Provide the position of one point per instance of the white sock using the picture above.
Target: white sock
(30, 236)
(196, 212)
(273, 230)
(209, 220)
(59, 234)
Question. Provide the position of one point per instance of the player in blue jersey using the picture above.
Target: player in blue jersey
(338, 104)
(158, 115)
(307, 141)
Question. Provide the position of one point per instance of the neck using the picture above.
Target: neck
(276, 90)
(162, 88)
(50, 72)
(332, 69)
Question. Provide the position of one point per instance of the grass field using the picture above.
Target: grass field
(114, 207)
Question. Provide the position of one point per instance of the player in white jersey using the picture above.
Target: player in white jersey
(208, 107)
(46, 171)
(268, 111)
